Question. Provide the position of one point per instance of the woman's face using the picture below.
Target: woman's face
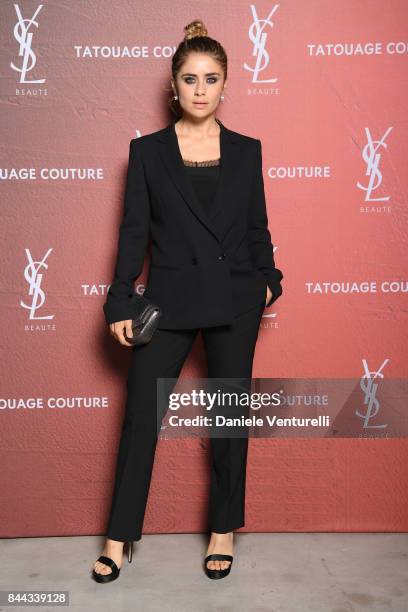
(200, 79)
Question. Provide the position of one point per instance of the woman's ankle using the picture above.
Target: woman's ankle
(110, 542)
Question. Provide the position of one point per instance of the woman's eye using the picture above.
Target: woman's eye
(190, 80)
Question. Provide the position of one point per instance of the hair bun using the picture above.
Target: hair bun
(195, 28)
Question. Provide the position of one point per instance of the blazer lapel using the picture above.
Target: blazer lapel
(173, 161)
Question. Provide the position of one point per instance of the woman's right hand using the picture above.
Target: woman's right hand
(117, 330)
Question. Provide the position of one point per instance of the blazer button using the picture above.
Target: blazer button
(222, 256)
(194, 260)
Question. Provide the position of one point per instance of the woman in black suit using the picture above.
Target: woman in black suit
(197, 188)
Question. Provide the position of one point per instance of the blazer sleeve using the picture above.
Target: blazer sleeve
(133, 238)
(259, 237)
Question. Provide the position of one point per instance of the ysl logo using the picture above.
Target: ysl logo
(24, 38)
(34, 278)
(369, 387)
(258, 37)
(372, 158)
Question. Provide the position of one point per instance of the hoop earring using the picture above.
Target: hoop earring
(175, 97)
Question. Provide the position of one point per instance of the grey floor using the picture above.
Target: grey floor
(282, 572)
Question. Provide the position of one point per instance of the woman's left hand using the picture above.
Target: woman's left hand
(268, 294)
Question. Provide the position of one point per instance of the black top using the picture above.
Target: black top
(204, 178)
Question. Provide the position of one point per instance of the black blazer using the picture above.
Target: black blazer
(204, 269)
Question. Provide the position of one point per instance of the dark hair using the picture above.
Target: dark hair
(196, 39)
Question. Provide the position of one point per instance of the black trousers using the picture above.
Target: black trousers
(229, 351)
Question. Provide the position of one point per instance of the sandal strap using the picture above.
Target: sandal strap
(218, 557)
(110, 562)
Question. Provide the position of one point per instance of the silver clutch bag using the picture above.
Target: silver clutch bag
(145, 319)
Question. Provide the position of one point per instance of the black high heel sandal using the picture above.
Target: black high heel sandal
(215, 574)
(110, 562)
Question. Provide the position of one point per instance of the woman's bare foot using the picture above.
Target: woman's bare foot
(221, 543)
(114, 550)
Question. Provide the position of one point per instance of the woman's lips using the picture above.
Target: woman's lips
(200, 103)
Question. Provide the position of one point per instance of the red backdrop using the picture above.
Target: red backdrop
(323, 85)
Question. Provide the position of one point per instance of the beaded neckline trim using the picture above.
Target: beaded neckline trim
(207, 162)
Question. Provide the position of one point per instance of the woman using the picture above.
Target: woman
(197, 188)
